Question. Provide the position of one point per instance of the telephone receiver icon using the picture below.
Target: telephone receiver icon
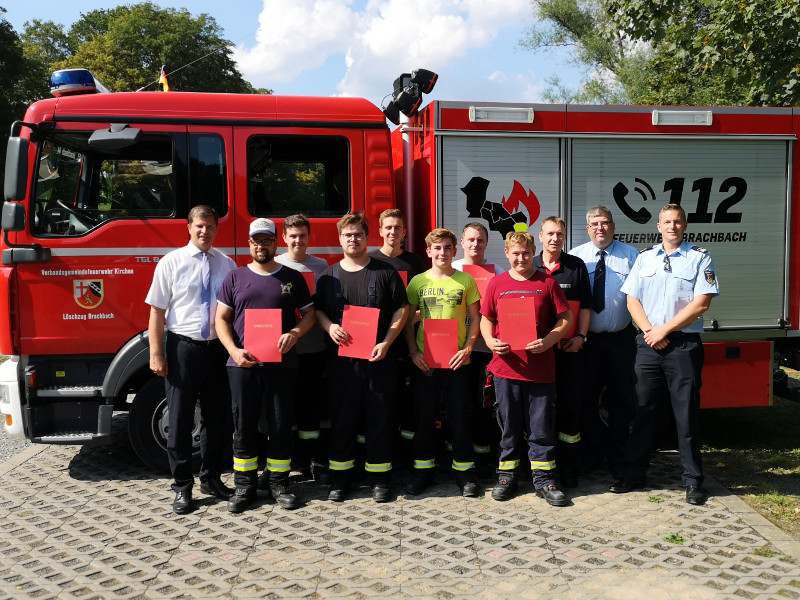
(640, 216)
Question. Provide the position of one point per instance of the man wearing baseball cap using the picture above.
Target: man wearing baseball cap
(255, 385)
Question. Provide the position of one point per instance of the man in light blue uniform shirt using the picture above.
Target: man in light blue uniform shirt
(610, 346)
(669, 288)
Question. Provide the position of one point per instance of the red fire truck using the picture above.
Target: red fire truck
(98, 186)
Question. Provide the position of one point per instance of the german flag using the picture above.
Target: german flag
(163, 80)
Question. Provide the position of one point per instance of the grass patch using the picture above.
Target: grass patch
(764, 551)
(674, 538)
(655, 499)
(753, 452)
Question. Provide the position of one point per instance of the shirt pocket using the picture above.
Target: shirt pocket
(650, 285)
(683, 282)
(618, 272)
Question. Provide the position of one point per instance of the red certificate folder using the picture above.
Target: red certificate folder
(481, 274)
(439, 342)
(517, 319)
(361, 323)
(575, 307)
(262, 329)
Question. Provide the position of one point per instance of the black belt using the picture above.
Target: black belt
(627, 329)
(188, 340)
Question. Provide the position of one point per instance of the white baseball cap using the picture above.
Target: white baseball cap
(262, 226)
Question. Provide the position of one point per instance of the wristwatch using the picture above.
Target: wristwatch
(581, 335)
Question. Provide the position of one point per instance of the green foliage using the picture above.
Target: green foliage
(17, 80)
(765, 551)
(675, 538)
(725, 52)
(585, 27)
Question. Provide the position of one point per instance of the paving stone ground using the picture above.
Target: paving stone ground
(88, 523)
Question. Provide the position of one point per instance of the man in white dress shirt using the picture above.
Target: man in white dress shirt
(184, 291)
(610, 345)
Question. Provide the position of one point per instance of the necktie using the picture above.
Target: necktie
(599, 289)
(205, 299)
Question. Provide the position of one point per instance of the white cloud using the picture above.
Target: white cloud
(296, 37)
(378, 39)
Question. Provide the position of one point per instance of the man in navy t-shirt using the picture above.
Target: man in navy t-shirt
(267, 386)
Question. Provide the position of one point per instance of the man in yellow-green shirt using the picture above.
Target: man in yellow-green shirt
(442, 292)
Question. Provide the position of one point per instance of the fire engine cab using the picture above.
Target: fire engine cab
(98, 187)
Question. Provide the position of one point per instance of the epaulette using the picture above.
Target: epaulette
(650, 248)
(699, 249)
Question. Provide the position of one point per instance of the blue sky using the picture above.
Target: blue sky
(358, 47)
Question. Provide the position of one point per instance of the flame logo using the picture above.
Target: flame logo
(528, 199)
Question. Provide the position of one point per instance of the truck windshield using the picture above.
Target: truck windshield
(78, 189)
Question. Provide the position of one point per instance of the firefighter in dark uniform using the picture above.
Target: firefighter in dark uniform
(571, 274)
(669, 288)
(362, 390)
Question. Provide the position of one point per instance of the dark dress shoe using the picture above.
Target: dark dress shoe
(695, 495)
(627, 484)
(215, 487)
(467, 484)
(284, 497)
(340, 489)
(380, 492)
(241, 499)
(182, 503)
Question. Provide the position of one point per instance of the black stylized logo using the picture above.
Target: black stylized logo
(504, 216)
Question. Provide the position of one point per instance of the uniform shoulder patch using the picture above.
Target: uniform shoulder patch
(699, 249)
(710, 276)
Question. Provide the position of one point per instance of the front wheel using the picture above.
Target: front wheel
(148, 424)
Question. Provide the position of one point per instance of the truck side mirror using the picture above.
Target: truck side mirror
(13, 216)
(16, 181)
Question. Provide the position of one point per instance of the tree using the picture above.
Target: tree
(587, 29)
(679, 51)
(19, 85)
(126, 46)
(745, 53)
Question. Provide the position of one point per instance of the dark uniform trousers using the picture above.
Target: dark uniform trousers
(310, 399)
(196, 372)
(362, 396)
(254, 390)
(485, 434)
(453, 386)
(677, 367)
(610, 357)
(527, 408)
(570, 381)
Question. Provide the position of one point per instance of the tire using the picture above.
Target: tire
(148, 423)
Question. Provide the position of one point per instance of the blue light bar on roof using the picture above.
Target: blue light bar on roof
(75, 81)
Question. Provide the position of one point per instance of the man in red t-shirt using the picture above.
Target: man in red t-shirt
(524, 380)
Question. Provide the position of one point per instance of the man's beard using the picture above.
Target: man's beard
(262, 260)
